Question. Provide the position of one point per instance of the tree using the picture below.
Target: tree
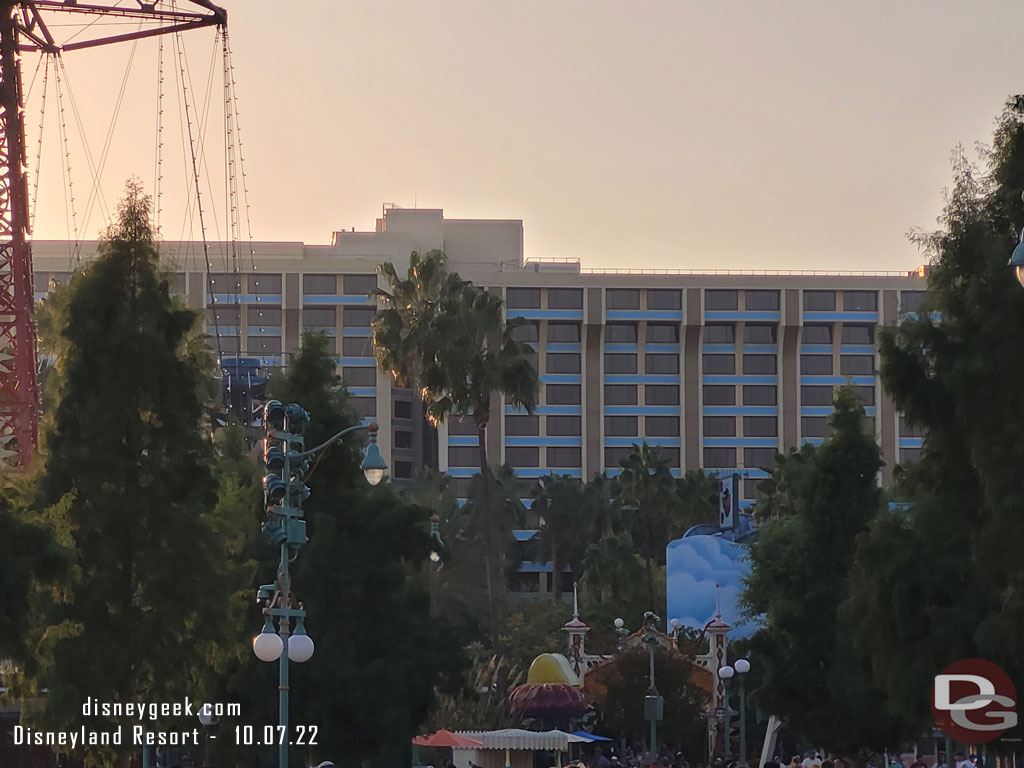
(127, 459)
(565, 525)
(798, 578)
(945, 574)
(698, 503)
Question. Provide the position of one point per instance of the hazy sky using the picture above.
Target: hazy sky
(654, 133)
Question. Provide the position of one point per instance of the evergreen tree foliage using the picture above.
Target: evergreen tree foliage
(566, 526)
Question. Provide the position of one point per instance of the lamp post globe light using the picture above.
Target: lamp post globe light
(726, 674)
(284, 526)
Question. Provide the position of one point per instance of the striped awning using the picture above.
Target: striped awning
(517, 738)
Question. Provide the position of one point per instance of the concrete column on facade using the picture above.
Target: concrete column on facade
(290, 313)
(789, 370)
(690, 399)
(885, 412)
(197, 292)
(593, 392)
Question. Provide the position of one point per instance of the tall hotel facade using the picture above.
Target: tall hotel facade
(719, 369)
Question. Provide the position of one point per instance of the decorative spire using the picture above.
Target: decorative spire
(718, 601)
(575, 602)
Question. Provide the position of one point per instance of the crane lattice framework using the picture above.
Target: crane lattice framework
(23, 28)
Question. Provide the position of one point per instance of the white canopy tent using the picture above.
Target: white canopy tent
(512, 744)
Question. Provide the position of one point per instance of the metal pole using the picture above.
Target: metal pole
(654, 692)
(743, 720)
(726, 742)
(283, 631)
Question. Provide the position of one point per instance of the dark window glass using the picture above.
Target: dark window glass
(620, 394)
(760, 426)
(464, 456)
(819, 301)
(760, 364)
(759, 458)
(612, 456)
(866, 394)
(661, 394)
(225, 317)
(909, 454)
(860, 301)
(619, 362)
(817, 334)
(563, 362)
(756, 333)
(720, 300)
(620, 333)
(522, 455)
(719, 458)
(357, 346)
(813, 426)
(320, 284)
(858, 334)
(719, 363)
(403, 469)
(562, 394)
(566, 333)
(522, 298)
(661, 363)
(365, 406)
(358, 317)
(403, 410)
(719, 426)
(757, 394)
(403, 438)
(261, 283)
(622, 298)
(560, 426)
(749, 487)
(460, 486)
(223, 282)
(263, 316)
(318, 317)
(719, 333)
(719, 394)
(761, 300)
(911, 300)
(522, 425)
(527, 333)
(358, 285)
(263, 345)
(620, 426)
(563, 456)
(856, 365)
(662, 333)
(456, 425)
(816, 365)
(662, 299)
(565, 298)
(910, 430)
(671, 455)
(661, 426)
(359, 376)
(228, 345)
(818, 395)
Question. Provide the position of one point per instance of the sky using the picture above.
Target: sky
(670, 134)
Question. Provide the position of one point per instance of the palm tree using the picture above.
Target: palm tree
(565, 524)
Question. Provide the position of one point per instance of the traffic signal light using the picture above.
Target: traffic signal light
(283, 490)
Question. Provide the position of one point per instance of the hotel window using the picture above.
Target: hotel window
(719, 426)
(268, 283)
(565, 333)
(816, 365)
(757, 333)
(617, 362)
(858, 334)
(263, 345)
(565, 298)
(856, 365)
(819, 301)
(403, 470)
(563, 456)
(910, 430)
(719, 364)
(759, 458)
(813, 426)
(860, 301)
(866, 394)
(464, 427)
(324, 285)
(403, 410)
(357, 346)
(760, 364)
(522, 455)
(263, 316)
(661, 394)
(816, 396)
(463, 456)
(720, 300)
(662, 333)
(356, 376)
(620, 333)
(719, 333)
(526, 333)
(221, 283)
(760, 395)
(620, 426)
(403, 438)
(228, 344)
(564, 426)
(522, 425)
(661, 426)
(671, 455)
(358, 317)
(365, 406)
(719, 458)
(563, 362)
(358, 285)
(817, 334)
(620, 394)
(562, 394)
(760, 426)
(661, 363)
(750, 487)
(719, 394)
(622, 298)
(460, 486)
(909, 454)
(762, 300)
(911, 300)
(613, 455)
(662, 299)
(224, 316)
(318, 317)
(522, 298)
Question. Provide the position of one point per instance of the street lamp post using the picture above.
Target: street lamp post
(726, 674)
(742, 667)
(653, 703)
(285, 526)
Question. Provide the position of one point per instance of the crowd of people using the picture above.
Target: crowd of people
(633, 759)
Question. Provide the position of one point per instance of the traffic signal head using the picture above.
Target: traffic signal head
(274, 489)
(273, 415)
(273, 457)
(297, 418)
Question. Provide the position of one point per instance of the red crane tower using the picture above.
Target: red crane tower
(23, 28)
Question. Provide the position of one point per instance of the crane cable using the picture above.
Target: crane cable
(159, 143)
(39, 145)
(69, 196)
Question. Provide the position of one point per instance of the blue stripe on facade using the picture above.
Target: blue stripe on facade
(641, 410)
(357, 332)
(911, 442)
(312, 298)
(738, 315)
(546, 410)
(746, 503)
(560, 378)
(463, 471)
(813, 440)
(620, 347)
(720, 348)
(567, 442)
(567, 471)
(753, 474)
(362, 391)
(857, 349)
(462, 440)
(626, 442)
(563, 348)
(263, 330)
(531, 472)
(865, 381)
(357, 361)
(741, 442)
(546, 314)
(816, 349)
(225, 330)
(643, 314)
(740, 380)
(321, 330)
(760, 349)
(741, 410)
(640, 378)
(230, 298)
(661, 348)
(827, 410)
(860, 317)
